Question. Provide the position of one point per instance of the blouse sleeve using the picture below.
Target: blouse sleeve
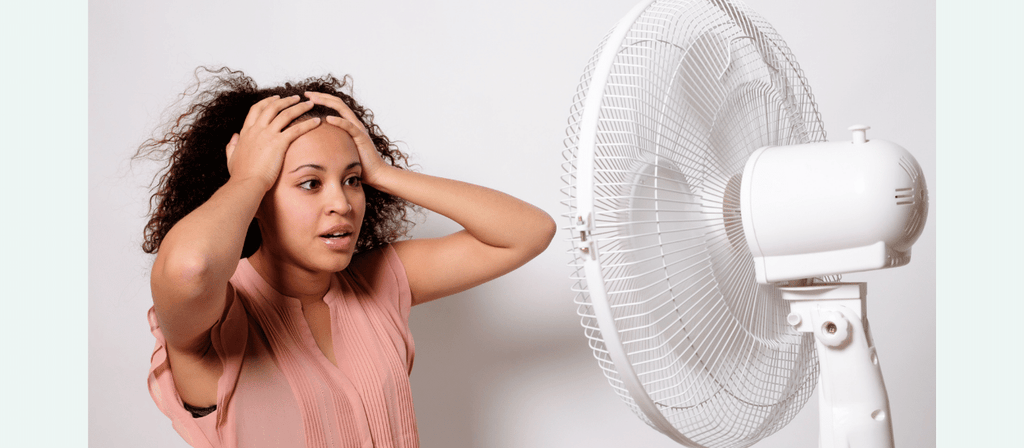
(382, 274)
(396, 274)
(228, 338)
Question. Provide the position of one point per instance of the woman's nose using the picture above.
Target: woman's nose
(338, 202)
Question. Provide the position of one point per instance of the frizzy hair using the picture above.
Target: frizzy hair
(192, 147)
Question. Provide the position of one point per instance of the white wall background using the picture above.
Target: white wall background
(479, 91)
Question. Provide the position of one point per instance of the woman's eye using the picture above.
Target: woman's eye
(353, 181)
(309, 184)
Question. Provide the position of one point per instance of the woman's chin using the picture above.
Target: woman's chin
(335, 262)
(311, 259)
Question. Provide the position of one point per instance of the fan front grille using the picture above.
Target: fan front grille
(695, 87)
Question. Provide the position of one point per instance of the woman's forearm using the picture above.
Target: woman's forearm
(492, 217)
(198, 256)
(501, 232)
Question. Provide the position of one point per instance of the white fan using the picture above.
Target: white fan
(709, 216)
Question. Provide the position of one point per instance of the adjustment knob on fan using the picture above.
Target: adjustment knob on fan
(860, 134)
(835, 329)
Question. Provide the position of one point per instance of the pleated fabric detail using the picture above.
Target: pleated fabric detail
(365, 401)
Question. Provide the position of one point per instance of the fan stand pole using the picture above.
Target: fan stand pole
(854, 407)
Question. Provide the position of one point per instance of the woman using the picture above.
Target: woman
(281, 293)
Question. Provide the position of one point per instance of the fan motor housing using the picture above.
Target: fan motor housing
(831, 207)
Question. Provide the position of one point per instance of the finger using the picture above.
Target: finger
(290, 114)
(274, 108)
(358, 133)
(300, 128)
(369, 155)
(342, 123)
(257, 109)
(328, 100)
(230, 147)
(337, 104)
(231, 143)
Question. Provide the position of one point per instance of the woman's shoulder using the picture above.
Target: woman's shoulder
(247, 283)
(244, 272)
(376, 259)
(379, 269)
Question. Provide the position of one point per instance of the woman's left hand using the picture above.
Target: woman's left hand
(374, 167)
(501, 232)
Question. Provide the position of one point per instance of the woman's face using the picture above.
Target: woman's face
(311, 217)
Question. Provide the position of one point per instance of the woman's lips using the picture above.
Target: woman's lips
(337, 242)
(339, 236)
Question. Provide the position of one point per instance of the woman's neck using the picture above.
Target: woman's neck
(289, 279)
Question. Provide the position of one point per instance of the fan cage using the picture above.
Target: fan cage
(711, 347)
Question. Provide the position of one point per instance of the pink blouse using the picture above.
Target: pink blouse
(278, 389)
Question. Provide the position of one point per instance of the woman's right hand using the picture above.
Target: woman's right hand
(257, 152)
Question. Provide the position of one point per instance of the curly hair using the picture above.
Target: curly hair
(192, 147)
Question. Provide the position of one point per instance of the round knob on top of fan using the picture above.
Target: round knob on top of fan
(860, 134)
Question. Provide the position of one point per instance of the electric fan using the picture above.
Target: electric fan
(710, 222)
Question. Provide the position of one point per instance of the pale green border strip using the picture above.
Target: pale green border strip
(43, 224)
(43, 232)
(980, 69)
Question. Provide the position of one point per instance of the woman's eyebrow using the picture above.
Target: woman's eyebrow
(320, 168)
(310, 165)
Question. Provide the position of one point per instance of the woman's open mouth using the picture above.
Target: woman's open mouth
(338, 237)
(337, 241)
